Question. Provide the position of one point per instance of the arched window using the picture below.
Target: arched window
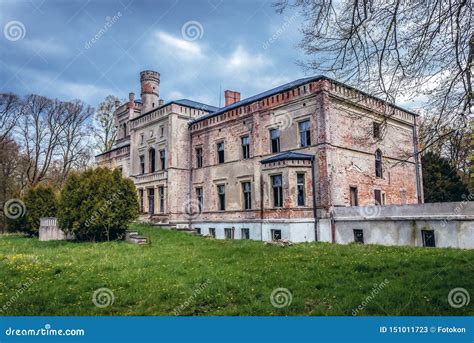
(152, 157)
(378, 163)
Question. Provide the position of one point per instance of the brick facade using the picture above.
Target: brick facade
(328, 126)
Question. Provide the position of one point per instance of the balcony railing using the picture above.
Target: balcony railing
(155, 176)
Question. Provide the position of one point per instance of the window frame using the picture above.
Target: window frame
(274, 233)
(161, 196)
(230, 230)
(247, 195)
(356, 195)
(142, 164)
(376, 129)
(152, 160)
(358, 236)
(212, 232)
(162, 153)
(198, 151)
(220, 158)
(244, 236)
(279, 194)
(245, 147)
(274, 139)
(305, 134)
(425, 239)
(221, 197)
(298, 185)
(199, 197)
(378, 164)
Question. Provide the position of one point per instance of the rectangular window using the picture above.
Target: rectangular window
(277, 187)
(221, 195)
(376, 129)
(247, 193)
(378, 196)
(163, 159)
(245, 233)
(140, 195)
(245, 147)
(300, 189)
(212, 232)
(162, 131)
(275, 140)
(151, 159)
(151, 201)
(199, 157)
(354, 196)
(358, 236)
(229, 233)
(428, 238)
(142, 164)
(198, 231)
(142, 137)
(161, 194)
(276, 235)
(305, 133)
(220, 152)
(199, 198)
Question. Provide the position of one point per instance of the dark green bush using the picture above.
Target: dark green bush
(97, 205)
(40, 201)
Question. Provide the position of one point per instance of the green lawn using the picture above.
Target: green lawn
(213, 277)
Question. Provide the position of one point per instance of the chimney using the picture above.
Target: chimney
(131, 104)
(231, 97)
(150, 89)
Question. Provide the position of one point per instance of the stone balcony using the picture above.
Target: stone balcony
(150, 177)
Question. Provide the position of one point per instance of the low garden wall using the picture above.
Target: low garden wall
(49, 230)
(438, 224)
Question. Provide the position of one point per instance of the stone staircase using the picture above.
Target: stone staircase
(134, 238)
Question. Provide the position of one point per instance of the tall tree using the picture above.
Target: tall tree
(396, 50)
(105, 130)
(10, 112)
(441, 182)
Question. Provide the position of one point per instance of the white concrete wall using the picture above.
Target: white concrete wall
(295, 231)
(452, 223)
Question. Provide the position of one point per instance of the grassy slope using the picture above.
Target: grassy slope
(324, 279)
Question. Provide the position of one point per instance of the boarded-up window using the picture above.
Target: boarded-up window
(428, 238)
(354, 197)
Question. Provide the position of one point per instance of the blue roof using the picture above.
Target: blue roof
(197, 105)
(289, 155)
(283, 88)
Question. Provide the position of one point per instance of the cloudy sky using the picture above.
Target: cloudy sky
(89, 49)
